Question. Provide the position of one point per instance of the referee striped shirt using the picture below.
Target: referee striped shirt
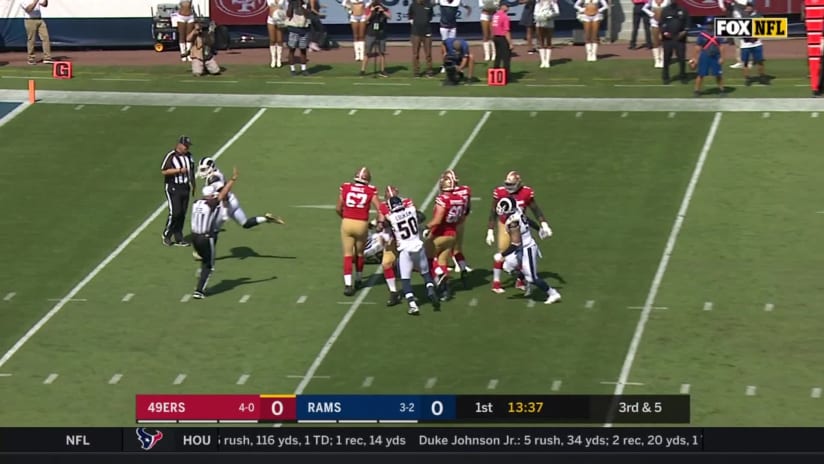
(175, 160)
(204, 216)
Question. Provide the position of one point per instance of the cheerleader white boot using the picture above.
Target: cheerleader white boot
(655, 57)
(487, 50)
(594, 52)
(660, 63)
(548, 54)
(278, 56)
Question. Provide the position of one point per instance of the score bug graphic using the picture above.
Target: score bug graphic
(148, 439)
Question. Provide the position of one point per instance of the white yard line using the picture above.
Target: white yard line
(114, 254)
(626, 369)
(446, 103)
(324, 351)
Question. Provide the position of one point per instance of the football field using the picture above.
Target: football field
(684, 247)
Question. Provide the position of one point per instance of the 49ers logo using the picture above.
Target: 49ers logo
(241, 8)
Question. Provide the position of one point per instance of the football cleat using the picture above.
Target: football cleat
(198, 295)
(196, 256)
(348, 290)
(496, 287)
(512, 182)
(433, 297)
(413, 309)
(528, 289)
(272, 218)
(520, 284)
(363, 176)
(553, 296)
(395, 299)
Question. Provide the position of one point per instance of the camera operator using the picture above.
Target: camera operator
(202, 52)
(675, 22)
(456, 58)
(376, 19)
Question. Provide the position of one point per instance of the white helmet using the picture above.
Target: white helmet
(505, 206)
(206, 167)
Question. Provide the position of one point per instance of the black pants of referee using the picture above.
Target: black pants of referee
(503, 55)
(205, 247)
(680, 49)
(177, 197)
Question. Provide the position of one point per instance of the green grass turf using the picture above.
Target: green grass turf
(612, 203)
(748, 241)
(619, 78)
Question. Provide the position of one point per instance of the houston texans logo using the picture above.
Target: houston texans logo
(148, 440)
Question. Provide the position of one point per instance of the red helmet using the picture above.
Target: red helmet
(448, 184)
(451, 174)
(391, 191)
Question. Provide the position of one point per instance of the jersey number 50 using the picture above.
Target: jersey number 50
(356, 200)
(408, 228)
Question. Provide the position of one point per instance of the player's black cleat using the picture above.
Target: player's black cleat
(395, 299)
(446, 293)
(349, 290)
(433, 298)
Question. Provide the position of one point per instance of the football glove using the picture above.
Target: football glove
(545, 231)
(490, 237)
(426, 233)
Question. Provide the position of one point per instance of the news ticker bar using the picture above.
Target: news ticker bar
(569, 409)
(479, 439)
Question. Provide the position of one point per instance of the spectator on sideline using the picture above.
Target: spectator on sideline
(36, 26)
(421, 13)
(528, 21)
(675, 22)
(638, 17)
(735, 9)
(708, 58)
(752, 47)
(376, 20)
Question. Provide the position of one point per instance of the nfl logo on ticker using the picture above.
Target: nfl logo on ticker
(750, 27)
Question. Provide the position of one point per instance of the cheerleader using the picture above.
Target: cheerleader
(357, 19)
(545, 13)
(653, 10)
(184, 21)
(591, 15)
(275, 23)
(488, 9)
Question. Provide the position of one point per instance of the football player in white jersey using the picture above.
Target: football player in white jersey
(523, 246)
(403, 218)
(207, 169)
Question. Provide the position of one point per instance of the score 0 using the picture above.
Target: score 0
(278, 408)
(438, 408)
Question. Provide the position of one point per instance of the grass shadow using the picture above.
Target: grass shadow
(226, 285)
(244, 252)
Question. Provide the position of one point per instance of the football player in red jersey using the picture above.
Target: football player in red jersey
(457, 251)
(441, 231)
(354, 203)
(524, 197)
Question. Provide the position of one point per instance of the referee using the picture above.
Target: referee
(205, 213)
(178, 171)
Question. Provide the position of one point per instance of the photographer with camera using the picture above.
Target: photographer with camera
(202, 52)
(456, 58)
(298, 15)
(376, 19)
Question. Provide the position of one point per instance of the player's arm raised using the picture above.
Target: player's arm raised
(545, 231)
(224, 192)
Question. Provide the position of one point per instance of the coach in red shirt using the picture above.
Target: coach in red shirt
(502, 38)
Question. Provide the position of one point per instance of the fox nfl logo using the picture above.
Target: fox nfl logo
(751, 27)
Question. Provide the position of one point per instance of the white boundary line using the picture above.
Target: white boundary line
(428, 103)
(623, 377)
(114, 254)
(324, 351)
(14, 113)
